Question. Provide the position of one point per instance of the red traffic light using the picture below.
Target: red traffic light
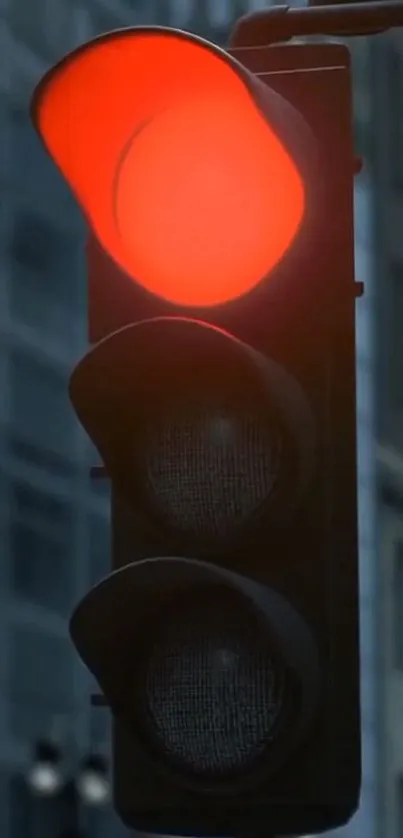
(227, 433)
(176, 155)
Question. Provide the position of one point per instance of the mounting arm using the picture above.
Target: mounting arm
(281, 23)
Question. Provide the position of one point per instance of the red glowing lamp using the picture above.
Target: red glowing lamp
(170, 149)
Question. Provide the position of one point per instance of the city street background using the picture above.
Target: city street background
(54, 522)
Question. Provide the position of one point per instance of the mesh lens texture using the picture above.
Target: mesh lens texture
(214, 688)
(208, 474)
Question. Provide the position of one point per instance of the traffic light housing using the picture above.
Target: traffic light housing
(220, 393)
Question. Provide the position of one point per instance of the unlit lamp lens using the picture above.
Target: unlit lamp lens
(215, 686)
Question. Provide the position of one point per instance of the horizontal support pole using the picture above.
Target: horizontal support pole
(97, 472)
(98, 700)
(281, 23)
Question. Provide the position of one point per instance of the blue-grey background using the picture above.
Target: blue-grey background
(53, 523)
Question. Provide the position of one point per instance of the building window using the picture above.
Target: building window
(41, 564)
(181, 13)
(211, 19)
(50, 31)
(60, 30)
(100, 487)
(40, 681)
(33, 173)
(395, 109)
(396, 337)
(398, 606)
(41, 568)
(21, 805)
(36, 506)
(104, 19)
(40, 459)
(29, 28)
(41, 415)
(99, 538)
(45, 276)
(400, 808)
(99, 727)
(399, 832)
(362, 95)
(220, 13)
(30, 242)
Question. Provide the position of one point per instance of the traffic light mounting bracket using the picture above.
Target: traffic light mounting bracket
(282, 23)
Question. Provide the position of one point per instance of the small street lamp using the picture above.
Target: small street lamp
(93, 782)
(44, 776)
(46, 780)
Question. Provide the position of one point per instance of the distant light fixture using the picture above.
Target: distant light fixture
(44, 775)
(93, 782)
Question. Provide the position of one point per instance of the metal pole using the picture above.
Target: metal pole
(68, 803)
(281, 23)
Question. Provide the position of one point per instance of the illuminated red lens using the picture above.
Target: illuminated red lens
(182, 179)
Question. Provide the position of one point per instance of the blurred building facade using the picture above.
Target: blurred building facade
(53, 523)
(366, 821)
(387, 83)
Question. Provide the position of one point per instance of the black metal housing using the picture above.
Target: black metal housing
(301, 321)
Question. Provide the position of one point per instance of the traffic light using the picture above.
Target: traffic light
(220, 393)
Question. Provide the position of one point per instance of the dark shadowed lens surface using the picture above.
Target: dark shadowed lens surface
(215, 688)
(209, 473)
